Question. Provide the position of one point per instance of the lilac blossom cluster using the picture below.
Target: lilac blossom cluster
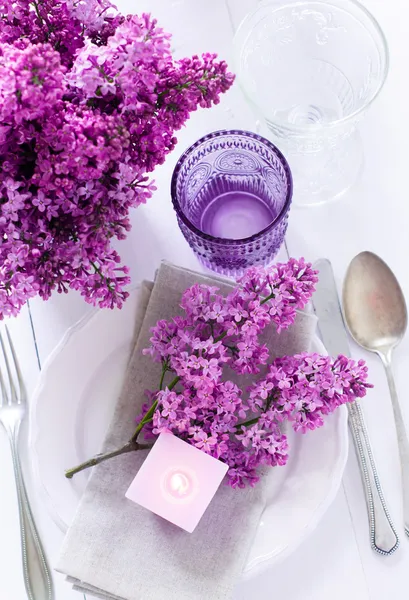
(89, 104)
(218, 334)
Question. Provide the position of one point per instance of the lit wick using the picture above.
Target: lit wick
(179, 484)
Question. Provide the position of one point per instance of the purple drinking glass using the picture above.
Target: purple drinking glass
(232, 192)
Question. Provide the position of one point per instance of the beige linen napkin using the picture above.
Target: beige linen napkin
(118, 550)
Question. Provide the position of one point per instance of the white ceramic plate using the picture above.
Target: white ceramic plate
(74, 403)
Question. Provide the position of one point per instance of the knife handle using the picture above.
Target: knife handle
(382, 531)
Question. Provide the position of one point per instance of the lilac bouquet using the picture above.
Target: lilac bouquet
(89, 103)
(196, 399)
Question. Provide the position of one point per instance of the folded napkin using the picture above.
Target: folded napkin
(118, 550)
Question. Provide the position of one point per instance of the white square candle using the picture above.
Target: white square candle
(177, 481)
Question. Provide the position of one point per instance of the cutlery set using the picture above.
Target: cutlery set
(375, 314)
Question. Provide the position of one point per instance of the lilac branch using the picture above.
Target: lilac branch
(99, 458)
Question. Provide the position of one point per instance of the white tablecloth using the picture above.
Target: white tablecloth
(336, 561)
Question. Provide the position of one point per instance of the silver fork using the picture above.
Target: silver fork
(12, 410)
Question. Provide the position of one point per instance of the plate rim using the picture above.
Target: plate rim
(258, 565)
(33, 433)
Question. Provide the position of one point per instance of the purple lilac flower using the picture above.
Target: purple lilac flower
(89, 104)
(204, 408)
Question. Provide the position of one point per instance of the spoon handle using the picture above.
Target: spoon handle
(403, 443)
(384, 539)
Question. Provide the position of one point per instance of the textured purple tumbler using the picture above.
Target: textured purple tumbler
(232, 192)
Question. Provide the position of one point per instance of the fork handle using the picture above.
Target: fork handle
(37, 578)
(384, 539)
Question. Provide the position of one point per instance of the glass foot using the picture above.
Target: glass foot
(325, 176)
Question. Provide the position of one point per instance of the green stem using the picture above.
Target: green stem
(146, 419)
(221, 336)
(173, 383)
(164, 369)
(267, 298)
(44, 21)
(131, 446)
(246, 423)
(269, 400)
(234, 349)
(37, 11)
(106, 279)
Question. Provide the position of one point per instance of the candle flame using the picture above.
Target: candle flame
(179, 484)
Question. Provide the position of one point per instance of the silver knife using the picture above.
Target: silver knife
(333, 334)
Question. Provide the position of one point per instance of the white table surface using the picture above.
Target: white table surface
(336, 562)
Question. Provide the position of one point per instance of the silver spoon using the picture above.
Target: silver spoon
(376, 315)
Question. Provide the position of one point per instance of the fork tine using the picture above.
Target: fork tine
(13, 394)
(20, 380)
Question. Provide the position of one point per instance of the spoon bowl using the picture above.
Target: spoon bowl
(374, 304)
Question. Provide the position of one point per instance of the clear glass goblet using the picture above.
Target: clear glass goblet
(311, 69)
